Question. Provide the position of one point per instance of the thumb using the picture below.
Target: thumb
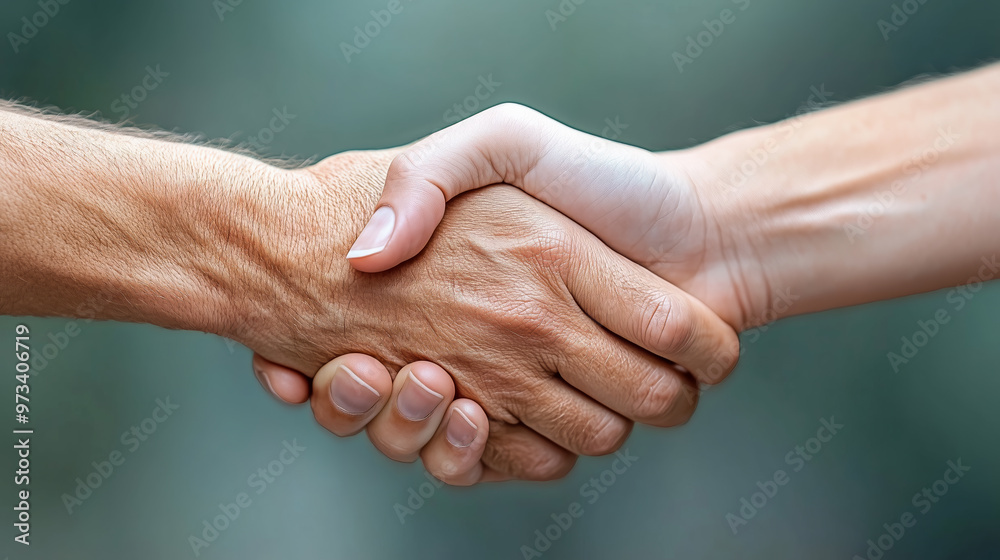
(504, 144)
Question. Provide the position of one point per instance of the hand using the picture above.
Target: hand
(498, 300)
(641, 204)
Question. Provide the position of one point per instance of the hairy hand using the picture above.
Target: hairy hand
(505, 298)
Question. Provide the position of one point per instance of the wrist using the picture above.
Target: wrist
(733, 178)
(249, 243)
(208, 208)
(284, 238)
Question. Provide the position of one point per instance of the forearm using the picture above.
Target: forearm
(880, 198)
(120, 227)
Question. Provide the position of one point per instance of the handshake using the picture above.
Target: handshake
(572, 286)
(551, 312)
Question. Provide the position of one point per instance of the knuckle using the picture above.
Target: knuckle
(509, 112)
(528, 319)
(406, 162)
(526, 460)
(659, 398)
(548, 466)
(666, 327)
(723, 362)
(606, 437)
(548, 246)
(687, 412)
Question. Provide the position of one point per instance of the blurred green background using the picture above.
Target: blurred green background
(606, 60)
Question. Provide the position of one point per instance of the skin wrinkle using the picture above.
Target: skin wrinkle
(521, 129)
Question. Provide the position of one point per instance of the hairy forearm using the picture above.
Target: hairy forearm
(880, 198)
(126, 227)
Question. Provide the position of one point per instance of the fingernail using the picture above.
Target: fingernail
(415, 400)
(461, 432)
(350, 394)
(264, 381)
(375, 235)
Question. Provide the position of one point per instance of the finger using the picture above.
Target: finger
(503, 144)
(454, 454)
(348, 392)
(286, 384)
(628, 380)
(573, 420)
(421, 394)
(516, 451)
(651, 312)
